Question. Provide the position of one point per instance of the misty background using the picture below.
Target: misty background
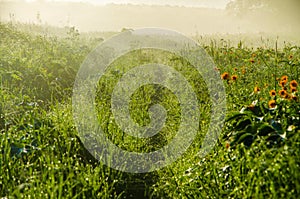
(186, 16)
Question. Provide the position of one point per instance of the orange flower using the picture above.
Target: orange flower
(287, 96)
(293, 97)
(291, 57)
(272, 104)
(251, 107)
(256, 89)
(235, 69)
(284, 78)
(282, 83)
(234, 77)
(252, 61)
(293, 89)
(272, 93)
(293, 83)
(283, 93)
(225, 76)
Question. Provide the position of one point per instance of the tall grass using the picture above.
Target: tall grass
(42, 155)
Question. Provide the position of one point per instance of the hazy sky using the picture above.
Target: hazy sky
(196, 3)
(86, 17)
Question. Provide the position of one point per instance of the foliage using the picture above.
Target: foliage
(264, 5)
(258, 121)
(42, 155)
(269, 13)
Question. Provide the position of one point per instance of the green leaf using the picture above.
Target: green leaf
(247, 139)
(265, 129)
(236, 116)
(243, 124)
(16, 76)
(277, 126)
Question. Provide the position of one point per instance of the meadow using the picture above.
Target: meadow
(42, 156)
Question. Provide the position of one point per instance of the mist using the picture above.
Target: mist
(114, 17)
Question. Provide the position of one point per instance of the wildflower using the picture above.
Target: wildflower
(293, 83)
(291, 57)
(284, 78)
(235, 69)
(287, 96)
(272, 93)
(227, 145)
(254, 102)
(252, 61)
(282, 93)
(293, 89)
(293, 97)
(225, 76)
(272, 104)
(234, 77)
(291, 128)
(243, 71)
(282, 83)
(251, 107)
(256, 89)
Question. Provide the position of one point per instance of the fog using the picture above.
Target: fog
(114, 17)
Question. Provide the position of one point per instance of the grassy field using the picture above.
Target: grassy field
(257, 154)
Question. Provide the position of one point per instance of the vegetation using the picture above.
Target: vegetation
(270, 13)
(41, 156)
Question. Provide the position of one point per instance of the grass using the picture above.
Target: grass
(257, 155)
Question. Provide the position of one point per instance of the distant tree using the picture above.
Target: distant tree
(277, 14)
(242, 7)
(276, 7)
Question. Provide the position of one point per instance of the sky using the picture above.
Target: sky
(179, 17)
(188, 3)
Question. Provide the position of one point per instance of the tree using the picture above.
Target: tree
(244, 7)
(278, 14)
